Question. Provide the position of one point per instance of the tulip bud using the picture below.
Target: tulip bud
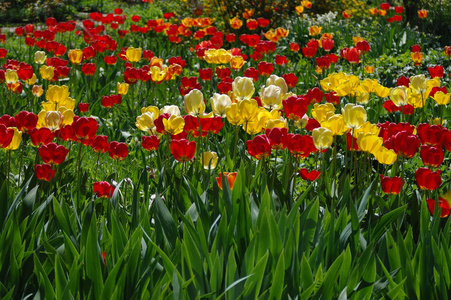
(209, 160)
(122, 88)
(75, 56)
(40, 57)
(322, 138)
(37, 90)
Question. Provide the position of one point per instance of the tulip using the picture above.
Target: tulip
(432, 135)
(441, 98)
(314, 30)
(404, 144)
(150, 143)
(46, 72)
(85, 128)
(41, 136)
(145, 122)
(88, 69)
(354, 115)
(53, 154)
(40, 57)
(443, 206)
(279, 82)
(259, 147)
(37, 90)
(335, 124)
(44, 172)
(57, 94)
(11, 76)
(133, 54)
(431, 156)
(417, 58)
(194, 103)
(428, 180)
(295, 107)
(122, 88)
(230, 177)
(271, 97)
(353, 55)
(391, 186)
(277, 138)
(369, 142)
(173, 125)
(243, 88)
(233, 114)
(183, 150)
(322, 112)
(219, 104)
(75, 56)
(422, 14)
(118, 150)
(322, 138)
(103, 189)
(310, 176)
(209, 160)
(205, 74)
(237, 62)
(6, 135)
(236, 23)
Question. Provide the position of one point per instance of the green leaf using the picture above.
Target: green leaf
(278, 280)
(93, 258)
(165, 220)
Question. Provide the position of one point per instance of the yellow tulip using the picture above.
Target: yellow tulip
(335, 124)
(68, 103)
(224, 56)
(194, 103)
(237, 62)
(11, 76)
(219, 103)
(156, 62)
(354, 115)
(151, 109)
(322, 138)
(243, 88)
(133, 54)
(366, 128)
(57, 94)
(418, 83)
(326, 84)
(385, 156)
(399, 95)
(321, 112)
(369, 142)
(15, 142)
(441, 98)
(233, 114)
(157, 73)
(31, 80)
(75, 56)
(278, 81)
(174, 125)
(271, 97)
(209, 160)
(368, 85)
(253, 127)
(299, 9)
(122, 88)
(362, 97)
(248, 109)
(47, 73)
(40, 57)
(170, 109)
(145, 122)
(211, 56)
(381, 91)
(265, 116)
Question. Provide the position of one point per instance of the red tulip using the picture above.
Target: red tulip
(351, 142)
(277, 138)
(295, 107)
(231, 37)
(300, 146)
(281, 60)
(290, 79)
(6, 136)
(436, 71)
(431, 156)
(117, 11)
(150, 143)
(136, 18)
(443, 207)
(88, 69)
(89, 53)
(3, 52)
(416, 48)
(428, 180)
(53, 154)
(399, 9)
(183, 150)
(25, 72)
(100, 144)
(431, 134)
(20, 31)
(309, 52)
(390, 106)
(265, 68)
(404, 144)
(223, 73)
(118, 150)
(205, 74)
(44, 172)
(311, 176)
(85, 128)
(332, 98)
(312, 124)
(363, 46)
(26, 121)
(353, 55)
(83, 107)
(251, 73)
(259, 147)
(225, 85)
(66, 133)
(110, 60)
(103, 189)
(41, 136)
(315, 95)
(385, 6)
(391, 186)
(327, 44)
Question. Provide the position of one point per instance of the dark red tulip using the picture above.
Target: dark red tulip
(205, 74)
(118, 150)
(391, 186)
(281, 60)
(312, 124)
(41, 136)
(311, 176)
(83, 107)
(88, 69)
(103, 189)
(183, 150)
(251, 73)
(351, 142)
(66, 133)
(150, 143)
(44, 172)
(53, 154)
(277, 138)
(436, 71)
(428, 180)
(290, 79)
(430, 134)
(265, 68)
(404, 144)
(332, 98)
(259, 147)
(309, 52)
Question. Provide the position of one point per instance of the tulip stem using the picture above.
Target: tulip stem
(236, 146)
(78, 175)
(8, 170)
(21, 159)
(97, 166)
